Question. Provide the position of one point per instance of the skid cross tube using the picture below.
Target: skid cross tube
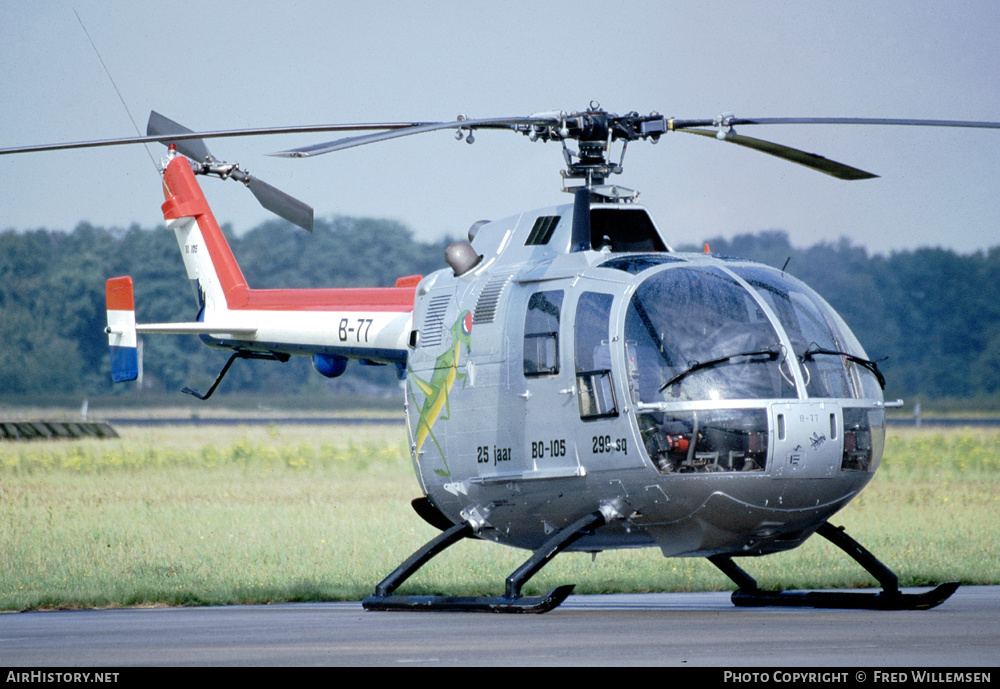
(512, 600)
(889, 598)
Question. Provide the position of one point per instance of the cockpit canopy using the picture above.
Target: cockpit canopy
(704, 332)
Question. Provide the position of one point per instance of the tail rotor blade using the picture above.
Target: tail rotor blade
(271, 198)
(195, 149)
(281, 204)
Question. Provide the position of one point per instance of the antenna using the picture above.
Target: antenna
(115, 86)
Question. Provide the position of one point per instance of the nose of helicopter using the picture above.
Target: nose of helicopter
(755, 481)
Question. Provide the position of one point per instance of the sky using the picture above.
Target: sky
(215, 65)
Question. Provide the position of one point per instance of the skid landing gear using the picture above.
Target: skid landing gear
(889, 598)
(512, 600)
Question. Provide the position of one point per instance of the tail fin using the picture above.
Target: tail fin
(209, 262)
(121, 329)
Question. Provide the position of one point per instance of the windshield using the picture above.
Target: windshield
(695, 333)
(821, 341)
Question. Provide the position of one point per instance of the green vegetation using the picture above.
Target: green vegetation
(212, 515)
(52, 302)
(932, 312)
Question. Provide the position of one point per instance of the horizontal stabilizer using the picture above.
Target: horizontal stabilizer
(123, 331)
(196, 328)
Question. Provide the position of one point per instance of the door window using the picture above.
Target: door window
(541, 334)
(593, 356)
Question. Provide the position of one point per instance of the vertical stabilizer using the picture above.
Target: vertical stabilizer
(121, 329)
(209, 261)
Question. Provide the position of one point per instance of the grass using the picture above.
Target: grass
(214, 515)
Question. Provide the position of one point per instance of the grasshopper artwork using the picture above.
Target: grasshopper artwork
(436, 390)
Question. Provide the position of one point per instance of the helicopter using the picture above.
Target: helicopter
(572, 383)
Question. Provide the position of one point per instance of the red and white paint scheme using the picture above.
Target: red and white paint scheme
(332, 326)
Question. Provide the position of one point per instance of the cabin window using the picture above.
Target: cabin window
(593, 356)
(541, 334)
(706, 441)
(696, 334)
(637, 263)
(864, 439)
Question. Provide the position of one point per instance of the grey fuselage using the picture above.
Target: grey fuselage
(704, 404)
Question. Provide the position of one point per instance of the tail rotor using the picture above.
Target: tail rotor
(192, 147)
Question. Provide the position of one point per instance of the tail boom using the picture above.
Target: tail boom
(333, 326)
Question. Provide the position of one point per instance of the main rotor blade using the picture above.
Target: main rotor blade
(195, 149)
(866, 120)
(675, 124)
(811, 160)
(220, 134)
(351, 141)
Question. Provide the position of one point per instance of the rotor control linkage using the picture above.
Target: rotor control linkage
(889, 598)
(512, 601)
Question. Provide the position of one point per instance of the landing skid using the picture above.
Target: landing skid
(889, 598)
(511, 602)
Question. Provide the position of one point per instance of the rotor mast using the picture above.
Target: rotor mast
(595, 130)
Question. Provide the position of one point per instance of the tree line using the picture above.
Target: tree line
(933, 313)
(52, 305)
